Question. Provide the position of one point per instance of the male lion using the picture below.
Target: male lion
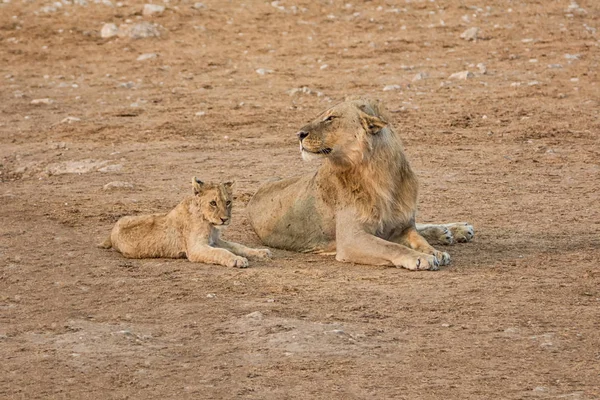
(189, 230)
(360, 203)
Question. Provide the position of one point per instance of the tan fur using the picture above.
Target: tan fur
(360, 203)
(192, 230)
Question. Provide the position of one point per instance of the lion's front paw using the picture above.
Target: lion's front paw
(419, 262)
(462, 232)
(262, 254)
(238, 262)
(442, 257)
(437, 234)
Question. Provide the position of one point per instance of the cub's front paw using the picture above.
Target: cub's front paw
(462, 232)
(262, 254)
(238, 262)
(419, 262)
(442, 257)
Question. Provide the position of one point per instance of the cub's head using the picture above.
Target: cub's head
(345, 133)
(213, 201)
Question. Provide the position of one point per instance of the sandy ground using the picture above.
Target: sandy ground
(513, 149)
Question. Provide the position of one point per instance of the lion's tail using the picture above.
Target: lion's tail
(107, 244)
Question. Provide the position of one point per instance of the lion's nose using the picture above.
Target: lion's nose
(301, 135)
(223, 220)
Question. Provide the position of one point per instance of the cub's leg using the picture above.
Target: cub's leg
(198, 250)
(456, 232)
(242, 250)
(354, 244)
(411, 238)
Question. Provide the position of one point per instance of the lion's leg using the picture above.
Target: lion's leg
(210, 255)
(411, 238)
(198, 250)
(242, 250)
(354, 244)
(456, 232)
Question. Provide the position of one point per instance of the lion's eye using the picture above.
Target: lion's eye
(213, 203)
(330, 118)
(228, 203)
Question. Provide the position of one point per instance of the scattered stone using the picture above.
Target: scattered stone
(74, 167)
(211, 295)
(515, 84)
(388, 88)
(574, 80)
(446, 325)
(554, 66)
(304, 90)
(41, 101)
(419, 77)
(199, 6)
(118, 185)
(575, 9)
(70, 120)
(482, 68)
(264, 71)
(470, 34)
(127, 85)
(111, 168)
(140, 30)
(200, 114)
(324, 66)
(533, 60)
(528, 40)
(533, 83)
(147, 56)
(463, 75)
(152, 9)
(109, 30)
(572, 56)
(255, 315)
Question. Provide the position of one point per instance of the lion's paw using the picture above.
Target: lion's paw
(442, 257)
(461, 231)
(262, 254)
(238, 262)
(420, 262)
(437, 234)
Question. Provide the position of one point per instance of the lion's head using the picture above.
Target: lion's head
(212, 201)
(346, 133)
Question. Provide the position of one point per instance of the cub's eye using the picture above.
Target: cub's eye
(330, 118)
(228, 203)
(213, 203)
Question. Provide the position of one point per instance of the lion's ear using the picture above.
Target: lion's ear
(229, 184)
(372, 124)
(197, 184)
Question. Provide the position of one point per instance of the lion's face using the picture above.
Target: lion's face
(342, 133)
(213, 201)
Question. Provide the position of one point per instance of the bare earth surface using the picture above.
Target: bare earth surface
(513, 149)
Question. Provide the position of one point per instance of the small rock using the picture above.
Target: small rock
(117, 185)
(147, 56)
(127, 85)
(111, 168)
(554, 66)
(446, 325)
(419, 77)
(200, 114)
(152, 9)
(255, 315)
(70, 120)
(41, 101)
(482, 68)
(139, 31)
(199, 6)
(574, 80)
(470, 34)
(463, 75)
(391, 87)
(515, 84)
(533, 83)
(74, 167)
(211, 295)
(572, 56)
(109, 30)
(264, 71)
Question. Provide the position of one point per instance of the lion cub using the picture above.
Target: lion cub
(189, 230)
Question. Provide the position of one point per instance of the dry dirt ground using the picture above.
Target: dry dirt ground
(514, 149)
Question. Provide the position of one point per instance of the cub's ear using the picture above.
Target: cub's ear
(229, 184)
(197, 184)
(372, 124)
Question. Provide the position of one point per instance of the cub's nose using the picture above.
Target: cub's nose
(224, 220)
(301, 135)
